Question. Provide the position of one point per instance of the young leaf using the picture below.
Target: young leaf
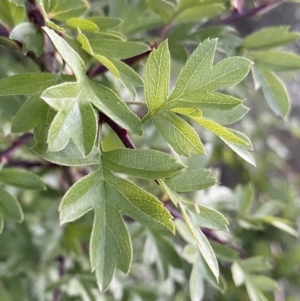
(157, 77)
(164, 9)
(21, 178)
(105, 23)
(144, 163)
(270, 37)
(9, 207)
(181, 136)
(191, 180)
(30, 35)
(274, 92)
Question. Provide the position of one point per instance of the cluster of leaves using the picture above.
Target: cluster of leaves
(66, 109)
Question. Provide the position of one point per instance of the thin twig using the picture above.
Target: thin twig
(61, 271)
(121, 133)
(7, 153)
(239, 15)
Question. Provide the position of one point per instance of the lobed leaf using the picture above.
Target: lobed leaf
(157, 77)
(180, 135)
(144, 163)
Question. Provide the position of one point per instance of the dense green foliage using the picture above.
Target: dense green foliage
(126, 168)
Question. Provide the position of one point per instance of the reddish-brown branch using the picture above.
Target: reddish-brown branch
(238, 15)
(6, 154)
(34, 13)
(121, 133)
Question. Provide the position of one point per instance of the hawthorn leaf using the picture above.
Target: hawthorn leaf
(76, 119)
(105, 23)
(157, 77)
(271, 60)
(200, 74)
(224, 117)
(138, 204)
(191, 180)
(118, 49)
(270, 37)
(83, 24)
(144, 163)
(243, 198)
(69, 156)
(208, 218)
(62, 10)
(274, 92)
(9, 207)
(109, 196)
(196, 281)
(242, 150)
(32, 112)
(29, 83)
(21, 178)
(201, 240)
(179, 134)
(70, 56)
(110, 244)
(219, 130)
(1, 223)
(30, 35)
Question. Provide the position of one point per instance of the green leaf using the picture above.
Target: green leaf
(118, 49)
(180, 135)
(200, 74)
(263, 283)
(69, 156)
(75, 119)
(202, 242)
(157, 77)
(224, 117)
(31, 36)
(219, 130)
(105, 23)
(110, 244)
(144, 163)
(109, 196)
(281, 224)
(274, 92)
(164, 9)
(83, 24)
(270, 37)
(62, 10)
(196, 282)
(243, 198)
(32, 112)
(29, 83)
(191, 180)
(11, 13)
(254, 293)
(242, 150)
(128, 77)
(208, 218)
(199, 12)
(70, 56)
(9, 207)
(1, 223)
(21, 178)
(276, 61)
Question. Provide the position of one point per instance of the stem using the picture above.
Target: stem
(34, 13)
(6, 154)
(62, 271)
(122, 133)
(239, 15)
